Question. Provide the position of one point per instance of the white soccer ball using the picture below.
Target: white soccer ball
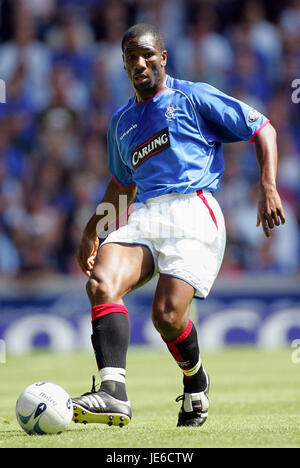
(44, 408)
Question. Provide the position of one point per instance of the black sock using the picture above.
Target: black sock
(185, 351)
(110, 339)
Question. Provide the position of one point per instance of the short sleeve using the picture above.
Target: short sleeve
(118, 169)
(228, 119)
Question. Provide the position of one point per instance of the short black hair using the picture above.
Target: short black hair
(139, 30)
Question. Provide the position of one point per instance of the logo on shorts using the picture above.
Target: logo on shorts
(253, 116)
(154, 145)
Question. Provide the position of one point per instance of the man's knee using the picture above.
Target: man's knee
(100, 290)
(168, 320)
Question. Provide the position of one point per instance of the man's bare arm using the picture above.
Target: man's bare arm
(89, 244)
(269, 211)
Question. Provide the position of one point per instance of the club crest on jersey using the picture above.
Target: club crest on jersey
(154, 145)
(253, 116)
(170, 112)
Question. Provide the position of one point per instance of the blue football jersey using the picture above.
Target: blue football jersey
(173, 141)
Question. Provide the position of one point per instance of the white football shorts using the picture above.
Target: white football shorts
(185, 234)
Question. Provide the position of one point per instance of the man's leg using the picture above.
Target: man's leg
(170, 315)
(118, 269)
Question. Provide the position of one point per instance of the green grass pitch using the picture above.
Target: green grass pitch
(255, 400)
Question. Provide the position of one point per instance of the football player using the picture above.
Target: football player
(165, 148)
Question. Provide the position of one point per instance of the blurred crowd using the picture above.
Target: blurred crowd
(62, 64)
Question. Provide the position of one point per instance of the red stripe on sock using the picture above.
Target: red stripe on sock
(175, 353)
(105, 309)
(183, 335)
(172, 344)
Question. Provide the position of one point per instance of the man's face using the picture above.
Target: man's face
(144, 63)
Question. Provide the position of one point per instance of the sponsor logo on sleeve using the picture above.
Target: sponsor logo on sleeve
(253, 116)
(154, 145)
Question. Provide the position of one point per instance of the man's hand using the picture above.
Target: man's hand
(87, 252)
(269, 210)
